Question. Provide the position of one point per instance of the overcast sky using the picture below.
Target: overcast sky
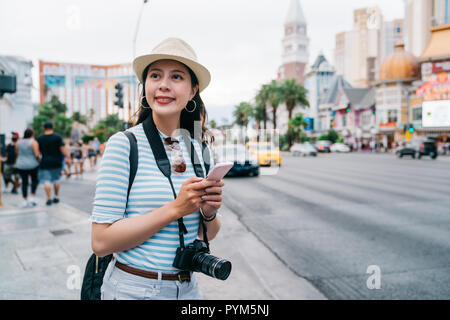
(239, 41)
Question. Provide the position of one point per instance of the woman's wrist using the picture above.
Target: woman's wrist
(174, 211)
(208, 218)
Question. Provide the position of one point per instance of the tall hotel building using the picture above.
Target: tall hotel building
(89, 89)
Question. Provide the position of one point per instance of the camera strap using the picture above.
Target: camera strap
(163, 164)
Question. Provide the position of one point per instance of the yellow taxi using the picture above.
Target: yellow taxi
(266, 152)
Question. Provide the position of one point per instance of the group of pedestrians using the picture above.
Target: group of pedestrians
(39, 160)
(79, 153)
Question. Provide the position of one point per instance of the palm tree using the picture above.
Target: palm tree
(212, 124)
(275, 98)
(258, 114)
(293, 94)
(242, 113)
(262, 98)
(295, 126)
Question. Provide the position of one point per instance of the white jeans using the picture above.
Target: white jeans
(121, 285)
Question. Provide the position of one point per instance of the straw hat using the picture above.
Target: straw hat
(173, 49)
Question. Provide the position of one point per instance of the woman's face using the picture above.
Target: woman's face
(168, 87)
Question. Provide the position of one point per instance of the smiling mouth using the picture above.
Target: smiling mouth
(164, 100)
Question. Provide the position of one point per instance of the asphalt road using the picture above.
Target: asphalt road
(358, 226)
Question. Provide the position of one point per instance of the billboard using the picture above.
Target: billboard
(436, 113)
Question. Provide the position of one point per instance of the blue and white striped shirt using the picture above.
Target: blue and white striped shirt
(150, 190)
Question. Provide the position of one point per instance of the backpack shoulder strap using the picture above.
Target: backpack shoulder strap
(133, 159)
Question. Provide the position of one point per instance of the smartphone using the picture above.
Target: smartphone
(219, 171)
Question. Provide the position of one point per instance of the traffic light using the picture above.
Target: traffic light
(409, 127)
(374, 110)
(348, 109)
(119, 95)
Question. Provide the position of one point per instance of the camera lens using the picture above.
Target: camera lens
(222, 269)
(212, 266)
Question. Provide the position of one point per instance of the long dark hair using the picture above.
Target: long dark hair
(28, 133)
(187, 119)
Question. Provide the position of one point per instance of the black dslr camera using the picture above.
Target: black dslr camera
(196, 257)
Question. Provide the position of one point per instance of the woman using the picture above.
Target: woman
(143, 233)
(92, 154)
(27, 163)
(79, 155)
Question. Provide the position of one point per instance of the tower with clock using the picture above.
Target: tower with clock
(295, 44)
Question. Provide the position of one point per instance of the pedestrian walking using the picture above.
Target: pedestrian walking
(92, 154)
(51, 147)
(28, 157)
(10, 173)
(144, 245)
(79, 153)
(96, 145)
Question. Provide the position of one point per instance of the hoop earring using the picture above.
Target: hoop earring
(195, 106)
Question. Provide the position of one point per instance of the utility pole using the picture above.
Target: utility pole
(137, 28)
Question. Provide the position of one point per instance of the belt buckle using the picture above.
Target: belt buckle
(184, 276)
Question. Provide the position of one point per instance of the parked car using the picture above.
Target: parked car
(244, 162)
(406, 150)
(428, 148)
(323, 145)
(339, 147)
(303, 149)
(266, 152)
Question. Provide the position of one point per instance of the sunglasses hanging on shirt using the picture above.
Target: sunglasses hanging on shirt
(178, 164)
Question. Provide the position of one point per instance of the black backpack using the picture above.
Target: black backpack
(96, 266)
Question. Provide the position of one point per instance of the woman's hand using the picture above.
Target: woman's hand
(189, 197)
(212, 201)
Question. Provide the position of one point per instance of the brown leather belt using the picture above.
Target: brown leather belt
(180, 276)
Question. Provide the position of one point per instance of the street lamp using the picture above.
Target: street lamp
(137, 28)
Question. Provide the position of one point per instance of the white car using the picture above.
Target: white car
(303, 149)
(339, 147)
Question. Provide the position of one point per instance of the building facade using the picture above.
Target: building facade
(89, 89)
(435, 88)
(295, 57)
(357, 51)
(392, 33)
(16, 109)
(318, 80)
(398, 72)
(349, 111)
(418, 21)
(295, 44)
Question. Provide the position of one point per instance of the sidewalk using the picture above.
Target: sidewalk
(44, 251)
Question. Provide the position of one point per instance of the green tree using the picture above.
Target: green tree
(292, 94)
(275, 98)
(262, 99)
(46, 110)
(79, 118)
(295, 129)
(331, 135)
(52, 111)
(59, 107)
(63, 125)
(259, 115)
(105, 128)
(243, 113)
(212, 124)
